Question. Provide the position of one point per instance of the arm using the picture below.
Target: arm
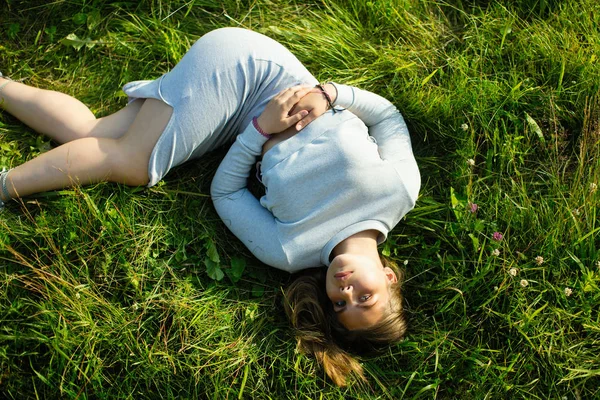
(385, 124)
(254, 225)
(383, 119)
(250, 222)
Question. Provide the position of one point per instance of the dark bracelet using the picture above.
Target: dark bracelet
(335, 87)
(327, 97)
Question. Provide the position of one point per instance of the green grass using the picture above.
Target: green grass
(105, 291)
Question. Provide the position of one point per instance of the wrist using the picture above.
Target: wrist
(257, 125)
(331, 91)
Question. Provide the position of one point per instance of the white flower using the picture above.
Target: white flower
(405, 262)
(568, 291)
(496, 252)
(471, 162)
(576, 211)
(524, 283)
(513, 271)
(464, 127)
(496, 288)
(539, 260)
(77, 295)
(593, 187)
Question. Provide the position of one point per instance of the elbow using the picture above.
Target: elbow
(217, 189)
(413, 191)
(412, 186)
(214, 191)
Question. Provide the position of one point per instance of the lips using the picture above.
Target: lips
(342, 275)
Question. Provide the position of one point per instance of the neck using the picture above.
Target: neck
(363, 243)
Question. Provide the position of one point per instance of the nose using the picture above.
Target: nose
(346, 289)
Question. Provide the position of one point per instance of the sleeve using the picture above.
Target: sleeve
(243, 214)
(386, 125)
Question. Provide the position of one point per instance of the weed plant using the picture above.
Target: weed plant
(115, 292)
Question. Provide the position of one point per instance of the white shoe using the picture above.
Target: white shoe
(3, 186)
(1, 172)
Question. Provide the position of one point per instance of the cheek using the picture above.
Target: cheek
(372, 283)
(329, 290)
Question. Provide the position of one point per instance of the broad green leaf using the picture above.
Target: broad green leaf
(535, 128)
(238, 265)
(211, 251)
(80, 18)
(213, 270)
(76, 42)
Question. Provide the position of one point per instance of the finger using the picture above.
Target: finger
(291, 90)
(293, 119)
(309, 117)
(300, 87)
(292, 98)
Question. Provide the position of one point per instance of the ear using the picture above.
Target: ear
(390, 275)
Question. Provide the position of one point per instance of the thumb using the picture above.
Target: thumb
(307, 119)
(297, 117)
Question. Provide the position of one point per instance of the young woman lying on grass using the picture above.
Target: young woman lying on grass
(333, 190)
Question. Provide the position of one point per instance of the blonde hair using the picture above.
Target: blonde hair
(320, 334)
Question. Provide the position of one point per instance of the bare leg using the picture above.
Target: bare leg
(61, 116)
(90, 160)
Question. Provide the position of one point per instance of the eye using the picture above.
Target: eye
(365, 298)
(340, 303)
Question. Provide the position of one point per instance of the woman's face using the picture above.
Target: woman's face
(358, 287)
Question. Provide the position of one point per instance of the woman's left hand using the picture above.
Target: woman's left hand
(280, 113)
(315, 103)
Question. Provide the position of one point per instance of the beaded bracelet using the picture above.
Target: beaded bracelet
(257, 127)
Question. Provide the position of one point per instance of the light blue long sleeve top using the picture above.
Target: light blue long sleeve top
(344, 173)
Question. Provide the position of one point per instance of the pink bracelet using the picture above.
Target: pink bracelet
(257, 127)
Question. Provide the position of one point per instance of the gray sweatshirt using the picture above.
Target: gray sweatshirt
(344, 173)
